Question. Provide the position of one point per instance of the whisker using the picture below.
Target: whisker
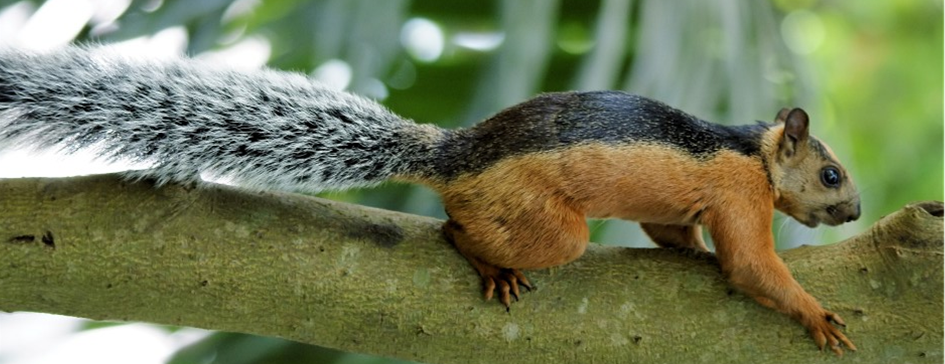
(594, 225)
(784, 223)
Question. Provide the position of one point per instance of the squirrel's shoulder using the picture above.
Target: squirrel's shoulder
(559, 120)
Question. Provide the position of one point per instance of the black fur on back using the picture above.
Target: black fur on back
(557, 120)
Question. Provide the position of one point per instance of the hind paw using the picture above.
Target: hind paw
(507, 282)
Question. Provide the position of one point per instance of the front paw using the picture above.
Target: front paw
(824, 332)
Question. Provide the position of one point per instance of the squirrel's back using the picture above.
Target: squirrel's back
(554, 121)
(262, 129)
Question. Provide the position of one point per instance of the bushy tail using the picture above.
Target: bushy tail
(262, 129)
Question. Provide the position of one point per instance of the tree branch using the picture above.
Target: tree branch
(385, 283)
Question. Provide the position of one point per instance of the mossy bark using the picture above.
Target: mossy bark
(386, 283)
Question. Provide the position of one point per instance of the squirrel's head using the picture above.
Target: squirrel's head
(810, 184)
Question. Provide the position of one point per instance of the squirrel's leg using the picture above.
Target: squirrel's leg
(498, 242)
(507, 280)
(745, 249)
(676, 236)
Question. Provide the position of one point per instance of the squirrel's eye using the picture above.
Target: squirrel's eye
(830, 176)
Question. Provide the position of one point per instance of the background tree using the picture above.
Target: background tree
(870, 74)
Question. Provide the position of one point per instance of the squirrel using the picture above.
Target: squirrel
(517, 187)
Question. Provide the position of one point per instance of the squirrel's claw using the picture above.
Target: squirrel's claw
(832, 317)
(504, 290)
(518, 276)
(488, 286)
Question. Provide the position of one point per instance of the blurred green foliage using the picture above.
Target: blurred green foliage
(869, 73)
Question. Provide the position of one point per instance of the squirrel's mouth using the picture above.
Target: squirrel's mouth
(811, 221)
(815, 219)
(807, 218)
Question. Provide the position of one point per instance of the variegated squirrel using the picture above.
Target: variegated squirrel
(517, 187)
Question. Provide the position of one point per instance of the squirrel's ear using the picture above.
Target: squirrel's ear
(795, 131)
(782, 115)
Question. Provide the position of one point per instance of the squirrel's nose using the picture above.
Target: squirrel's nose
(856, 213)
(844, 212)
